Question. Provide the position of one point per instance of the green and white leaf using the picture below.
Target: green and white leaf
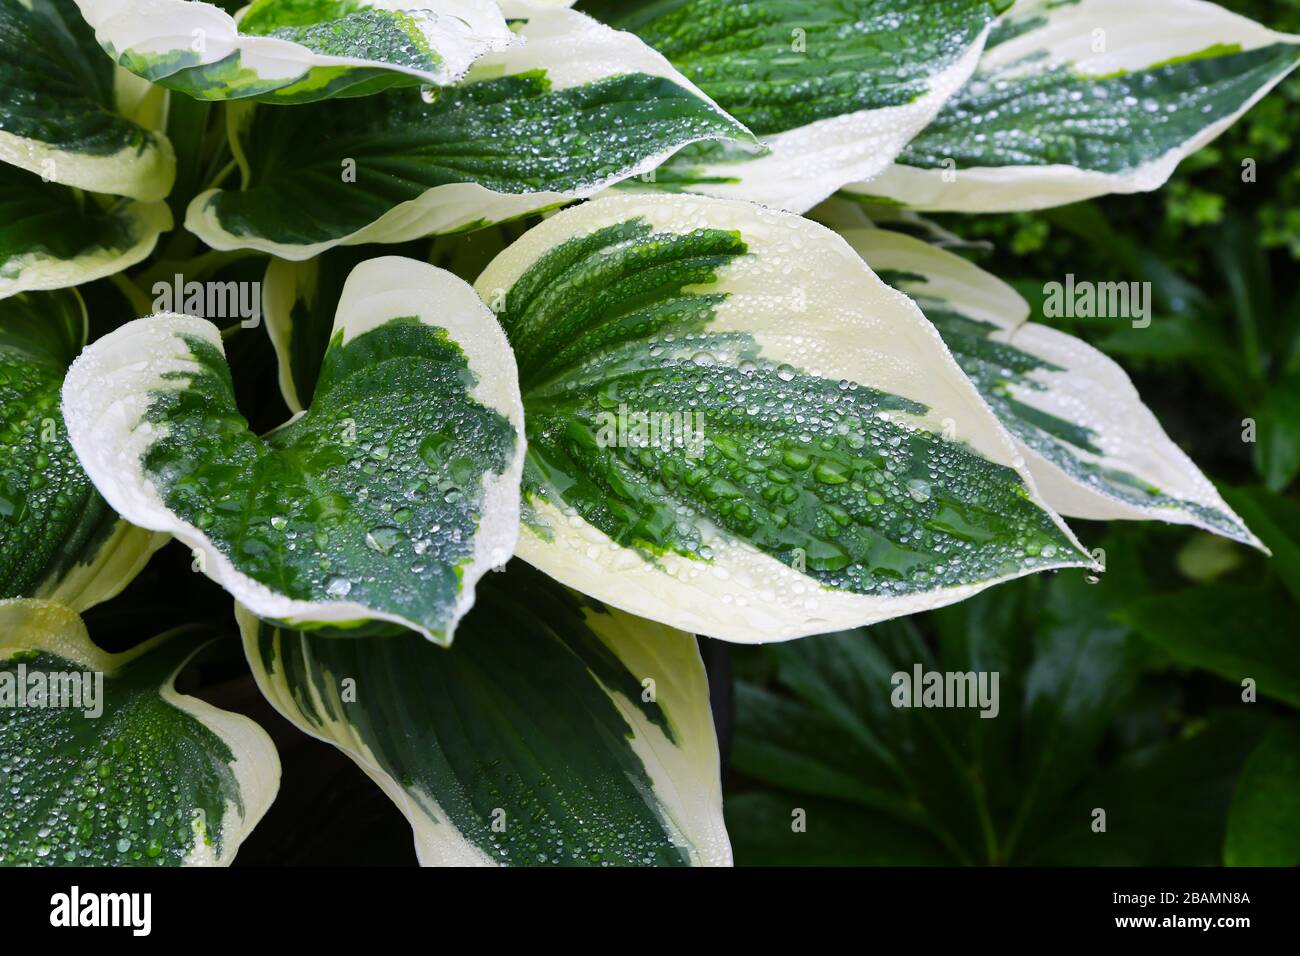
(819, 459)
(1095, 450)
(58, 539)
(52, 237)
(385, 501)
(1076, 100)
(155, 778)
(833, 89)
(299, 301)
(297, 51)
(60, 112)
(556, 731)
(576, 109)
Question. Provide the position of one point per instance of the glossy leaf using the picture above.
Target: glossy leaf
(123, 771)
(296, 51)
(556, 732)
(735, 428)
(834, 90)
(1075, 100)
(52, 237)
(1094, 448)
(58, 539)
(60, 115)
(577, 108)
(386, 500)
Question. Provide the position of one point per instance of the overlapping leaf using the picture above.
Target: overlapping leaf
(556, 732)
(296, 51)
(60, 115)
(386, 500)
(1075, 100)
(1094, 448)
(735, 428)
(578, 107)
(58, 539)
(103, 763)
(52, 237)
(833, 89)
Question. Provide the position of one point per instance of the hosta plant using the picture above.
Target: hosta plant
(632, 294)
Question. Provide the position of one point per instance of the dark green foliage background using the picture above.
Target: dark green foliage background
(1126, 694)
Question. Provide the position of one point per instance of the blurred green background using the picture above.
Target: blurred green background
(1164, 694)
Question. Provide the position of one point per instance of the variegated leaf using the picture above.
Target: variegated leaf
(1094, 448)
(58, 539)
(578, 107)
(297, 51)
(1075, 100)
(386, 500)
(52, 237)
(62, 109)
(556, 731)
(833, 89)
(735, 428)
(103, 763)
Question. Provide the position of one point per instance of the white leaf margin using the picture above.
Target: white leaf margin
(1138, 35)
(1093, 391)
(38, 271)
(114, 565)
(460, 31)
(865, 332)
(106, 396)
(805, 165)
(573, 50)
(29, 624)
(686, 779)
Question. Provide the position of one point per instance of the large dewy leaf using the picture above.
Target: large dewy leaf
(103, 763)
(579, 107)
(59, 115)
(735, 428)
(1094, 448)
(297, 51)
(387, 499)
(1075, 100)
(52, 237)
(58, 539)
(833, 89)
(556, 732)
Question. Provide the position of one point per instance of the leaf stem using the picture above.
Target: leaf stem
(142, 304)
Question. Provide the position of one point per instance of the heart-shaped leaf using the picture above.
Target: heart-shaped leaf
(103, 763)
(387, 499)
(577, 108)
(556, 732)
(735, 428)
(296, 51)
